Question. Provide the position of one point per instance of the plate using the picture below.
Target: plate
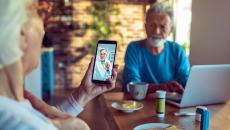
(127, 106)
(149, 126)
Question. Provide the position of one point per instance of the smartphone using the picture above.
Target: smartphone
(104, 61)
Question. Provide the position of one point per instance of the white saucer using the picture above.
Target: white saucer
(119, 105)
(147, 126)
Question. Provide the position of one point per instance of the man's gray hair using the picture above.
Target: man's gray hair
(158, 8)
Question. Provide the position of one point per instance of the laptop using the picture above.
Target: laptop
(207, 84)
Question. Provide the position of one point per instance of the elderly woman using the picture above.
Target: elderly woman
(20, 44)
(155, 60)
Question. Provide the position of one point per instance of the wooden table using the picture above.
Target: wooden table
(117, 120)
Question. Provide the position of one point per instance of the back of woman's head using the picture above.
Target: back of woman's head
(12, 18)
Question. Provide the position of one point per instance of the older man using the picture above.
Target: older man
(155, 60)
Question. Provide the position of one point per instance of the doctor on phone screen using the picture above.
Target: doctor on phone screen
(103, 66)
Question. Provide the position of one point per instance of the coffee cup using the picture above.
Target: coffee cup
(137, 90)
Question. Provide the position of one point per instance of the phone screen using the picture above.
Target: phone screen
(104, 61)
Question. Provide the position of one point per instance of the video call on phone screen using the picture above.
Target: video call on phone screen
(104, 61)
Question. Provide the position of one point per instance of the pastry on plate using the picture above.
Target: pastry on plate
(172, 127)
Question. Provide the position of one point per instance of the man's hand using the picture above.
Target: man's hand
(172, 86)
(89, 90)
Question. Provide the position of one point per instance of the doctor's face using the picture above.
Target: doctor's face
(103, 54)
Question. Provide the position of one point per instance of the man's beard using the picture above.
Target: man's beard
(156, 42)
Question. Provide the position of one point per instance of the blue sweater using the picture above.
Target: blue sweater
(143, 66)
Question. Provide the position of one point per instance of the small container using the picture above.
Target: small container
(205, 117)
(198, 115)
(160, 103)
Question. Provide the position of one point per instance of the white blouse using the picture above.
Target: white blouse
(22, 116)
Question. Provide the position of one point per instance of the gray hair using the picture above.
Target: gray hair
(158, 8)
(12, 17)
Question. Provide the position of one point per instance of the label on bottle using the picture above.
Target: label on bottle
(160, 105)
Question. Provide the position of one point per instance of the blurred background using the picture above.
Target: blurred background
(75, 26)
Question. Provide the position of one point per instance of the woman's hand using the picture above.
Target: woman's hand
(83, 94)
(89, 90)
